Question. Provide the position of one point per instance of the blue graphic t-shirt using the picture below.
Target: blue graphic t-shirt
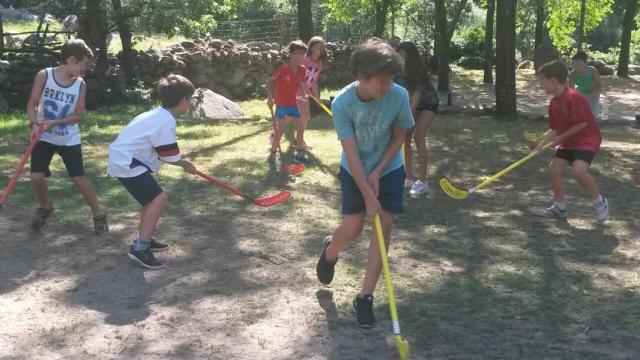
(371, 123)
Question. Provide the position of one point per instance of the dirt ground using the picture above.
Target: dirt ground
(483, 279)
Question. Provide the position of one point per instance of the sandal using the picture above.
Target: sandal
(100, 224)
(41, 217)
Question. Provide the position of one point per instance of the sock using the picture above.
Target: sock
(598, 200)
(560, 205)
(140, 244)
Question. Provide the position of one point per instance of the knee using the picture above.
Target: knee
(37, 177)
(162, 199)
(579, 172)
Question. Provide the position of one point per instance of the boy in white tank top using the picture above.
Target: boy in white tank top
(57, 103)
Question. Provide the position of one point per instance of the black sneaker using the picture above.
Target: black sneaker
(145, 258)
(157, 246)
(363, 307)
(273, 161)
(300, 158)
(325, 269)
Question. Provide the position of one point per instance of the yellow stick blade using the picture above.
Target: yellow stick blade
(452, 190)
(531, 137)
(403, 347)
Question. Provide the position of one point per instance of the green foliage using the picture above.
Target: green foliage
(563, 19)
(467, 42)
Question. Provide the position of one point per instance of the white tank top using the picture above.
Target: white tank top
(57, 102)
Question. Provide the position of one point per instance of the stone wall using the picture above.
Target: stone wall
(236, 71)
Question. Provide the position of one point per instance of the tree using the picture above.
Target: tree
(539, 32)
(93, 30)
(488, 43)
(564, 19)
(444, 33)
(305, 20)
(369, 14)
(625, 43)
(381, 11)
(506, 108)
(583, 9)
(125, 39)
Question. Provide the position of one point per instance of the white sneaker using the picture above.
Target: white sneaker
(554, 210)
(601, 210)
(418, 188)
(408, 183)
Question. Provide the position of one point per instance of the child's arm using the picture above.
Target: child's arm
(34, 99)
(76, 117)
(369, 194)
(271, 87)
(597, 87)
(397, 139)
(186, 165)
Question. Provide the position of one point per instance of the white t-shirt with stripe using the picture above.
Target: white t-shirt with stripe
(57, 102)
(144, 144)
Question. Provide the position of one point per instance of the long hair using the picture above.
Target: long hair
(417, 74)
(313, 42)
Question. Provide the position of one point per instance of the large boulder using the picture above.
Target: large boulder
(208, 105)
(602, 68)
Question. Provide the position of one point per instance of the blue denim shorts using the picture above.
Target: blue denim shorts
(391, 192)
(284, 111)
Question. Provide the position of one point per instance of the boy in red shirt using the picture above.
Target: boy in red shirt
(286, 82)
(577, 136)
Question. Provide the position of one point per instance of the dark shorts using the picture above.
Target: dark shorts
(428, 106)
(43, 153)
(573, 155)
(391, 192)
(284, 111)
(144, 187)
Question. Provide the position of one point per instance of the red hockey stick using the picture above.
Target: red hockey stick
(264, 202)
(23, 162)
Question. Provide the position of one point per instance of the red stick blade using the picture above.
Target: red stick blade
(273, 200)
(293, 169)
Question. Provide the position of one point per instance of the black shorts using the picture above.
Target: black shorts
(144, 187)
(428, 106)
(43, 153)
(573, 155)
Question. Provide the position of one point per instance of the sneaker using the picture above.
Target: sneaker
(409, 183)
(554, 210)
(601, 210)
(300, 158)
(145, 258)
(157, 246)
(41, 217)
(325, 269)
(363, 307)
(100, 224)
(273, 161)
(418, 188)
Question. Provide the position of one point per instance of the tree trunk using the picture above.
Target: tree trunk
(94, 31)
(540, 32)
(506, 108)
(125, 38)
(443, 46)
(625, 43)
(382, 9)
(305, 20)
(583, 10)
(488, 43)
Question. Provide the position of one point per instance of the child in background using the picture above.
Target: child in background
(285, 84)
(423, 99)
(142, 146)
(577, 136)
(314, 62)
(586, 80)
(371, 117)
(57, 102)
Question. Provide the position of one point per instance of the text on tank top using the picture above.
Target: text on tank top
(57, 102)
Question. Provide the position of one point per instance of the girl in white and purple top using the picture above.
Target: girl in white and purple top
(314, 62)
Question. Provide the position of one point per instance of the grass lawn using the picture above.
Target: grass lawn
(487, 278)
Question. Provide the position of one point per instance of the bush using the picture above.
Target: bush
(468, 42)
(471, 62)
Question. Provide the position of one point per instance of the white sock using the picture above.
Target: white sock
(560, 205)
(598, 200)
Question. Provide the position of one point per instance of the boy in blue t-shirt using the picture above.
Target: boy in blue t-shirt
(371, 117)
